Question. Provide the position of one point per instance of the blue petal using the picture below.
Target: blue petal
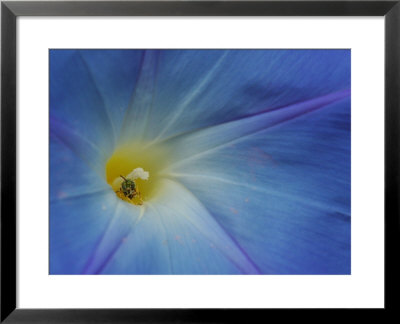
(76, 227)
(190, 146)
(177, 235)
(81, 207)
(137, 116)
(76, 102)
(284, 193)
(94, 156)
(70, 176)
(199, 88)
(124, 218)
(115, 73)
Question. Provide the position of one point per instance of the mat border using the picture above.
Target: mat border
(9, 13)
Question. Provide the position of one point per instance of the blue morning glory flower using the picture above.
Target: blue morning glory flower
(199, 162)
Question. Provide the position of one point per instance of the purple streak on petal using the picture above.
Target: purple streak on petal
(236, 243)
(314, 104)
(109, 257)
(118, 228)
(254, 269)
(192, 211)
(89, 265)
(192, 145)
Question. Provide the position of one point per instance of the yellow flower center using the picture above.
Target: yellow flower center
(126, 159)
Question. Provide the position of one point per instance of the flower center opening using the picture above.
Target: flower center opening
(133, 171)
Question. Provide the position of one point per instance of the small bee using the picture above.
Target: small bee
(128, 188)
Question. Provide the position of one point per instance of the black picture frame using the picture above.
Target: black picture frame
(9, 13)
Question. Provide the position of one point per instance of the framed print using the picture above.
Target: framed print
(198, 161)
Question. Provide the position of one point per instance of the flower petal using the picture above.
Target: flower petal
(88, 222)
(114, 73)
(84, 149)
(76, 101)
(70, 176)
(124, 218)
(83, 211)
(76, 226)
(200, 88)
(177, 235)
(188, 147)
(136, 119)
(284, 193)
